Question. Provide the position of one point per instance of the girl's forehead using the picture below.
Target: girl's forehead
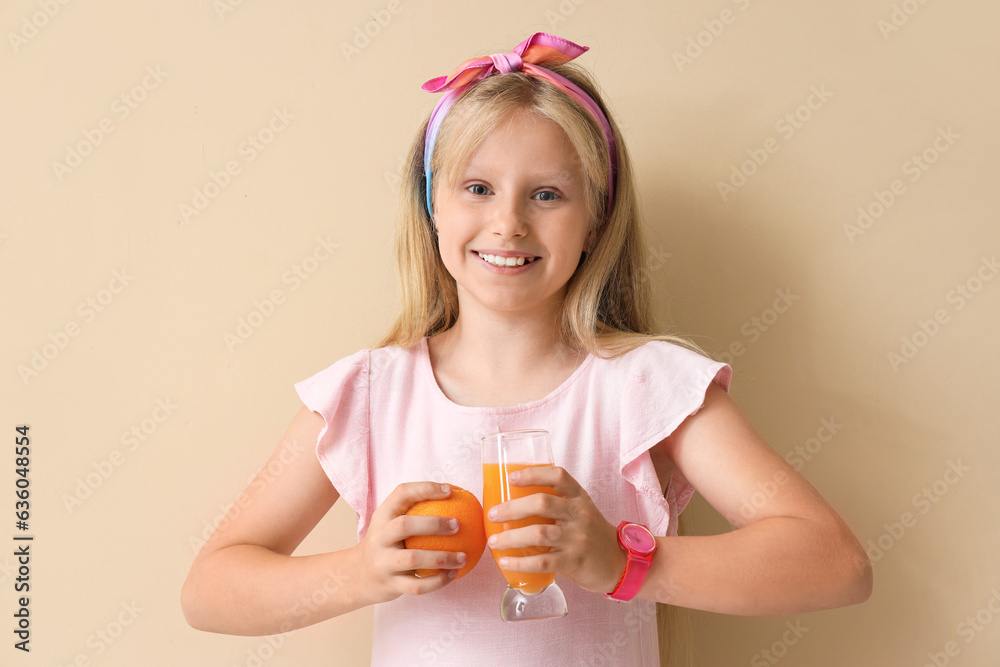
(538, 145)
(569, 173)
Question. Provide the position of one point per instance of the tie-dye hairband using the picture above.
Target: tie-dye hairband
(540, 47)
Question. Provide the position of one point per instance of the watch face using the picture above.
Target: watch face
(638, 537)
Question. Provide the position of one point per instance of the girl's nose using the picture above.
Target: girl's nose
(509, 218)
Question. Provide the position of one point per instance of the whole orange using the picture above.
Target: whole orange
(471, 535)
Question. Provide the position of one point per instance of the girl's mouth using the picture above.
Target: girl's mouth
(499, 260)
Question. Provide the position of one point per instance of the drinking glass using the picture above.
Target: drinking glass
(529, 595)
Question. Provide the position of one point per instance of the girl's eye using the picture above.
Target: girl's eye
(547, 195)
(479, 189)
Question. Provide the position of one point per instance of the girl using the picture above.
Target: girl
(523, 307)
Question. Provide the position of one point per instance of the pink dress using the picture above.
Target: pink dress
(388, 422)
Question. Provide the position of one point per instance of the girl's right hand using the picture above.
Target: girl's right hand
(386, 565)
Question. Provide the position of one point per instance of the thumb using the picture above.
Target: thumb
(406, 495)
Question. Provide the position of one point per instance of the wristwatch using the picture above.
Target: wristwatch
(639, 545)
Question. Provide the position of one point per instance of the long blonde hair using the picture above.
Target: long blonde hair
(608, 306)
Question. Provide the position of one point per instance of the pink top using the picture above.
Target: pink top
(388, 422)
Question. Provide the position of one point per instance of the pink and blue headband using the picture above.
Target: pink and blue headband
(540, 47)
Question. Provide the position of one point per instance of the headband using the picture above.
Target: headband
(540, 47)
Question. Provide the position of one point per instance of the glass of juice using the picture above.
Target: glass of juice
(529, 595)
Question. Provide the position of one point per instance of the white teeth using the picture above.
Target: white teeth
(498, 260)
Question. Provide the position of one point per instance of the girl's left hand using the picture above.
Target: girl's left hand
(584, 546)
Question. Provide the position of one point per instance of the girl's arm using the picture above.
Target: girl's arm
(245, 581)
(790, 552)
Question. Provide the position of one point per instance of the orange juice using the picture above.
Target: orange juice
(495, 491)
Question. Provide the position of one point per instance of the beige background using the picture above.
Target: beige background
(118, 552)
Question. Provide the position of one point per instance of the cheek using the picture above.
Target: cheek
(576, 229)
(451, 247)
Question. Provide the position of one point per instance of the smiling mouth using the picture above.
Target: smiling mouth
(498, 260)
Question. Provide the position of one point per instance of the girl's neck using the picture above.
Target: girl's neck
(501, 340)
(499, 361)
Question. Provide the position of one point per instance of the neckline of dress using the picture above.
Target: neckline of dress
(428, 369)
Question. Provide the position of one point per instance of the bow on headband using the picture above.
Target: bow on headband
(540, 47)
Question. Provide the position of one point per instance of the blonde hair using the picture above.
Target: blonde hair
(608, 307)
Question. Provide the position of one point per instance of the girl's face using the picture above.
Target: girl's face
(512, 226)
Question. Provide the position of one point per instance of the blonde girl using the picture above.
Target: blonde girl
(519, 256)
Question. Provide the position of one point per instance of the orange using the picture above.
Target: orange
(470, 538)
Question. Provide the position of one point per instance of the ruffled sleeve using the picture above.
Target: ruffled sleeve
(665, 383)
(340, 395)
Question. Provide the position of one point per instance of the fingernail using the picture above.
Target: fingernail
(445, 488)
(492, 541)
(452, 574)
(514, 476)
(461, 558)
(502, 563)
(492, 514)
(453, 524)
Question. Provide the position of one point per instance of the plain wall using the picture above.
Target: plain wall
(868, 343)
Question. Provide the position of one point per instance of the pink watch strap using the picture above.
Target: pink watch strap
(632, 578)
